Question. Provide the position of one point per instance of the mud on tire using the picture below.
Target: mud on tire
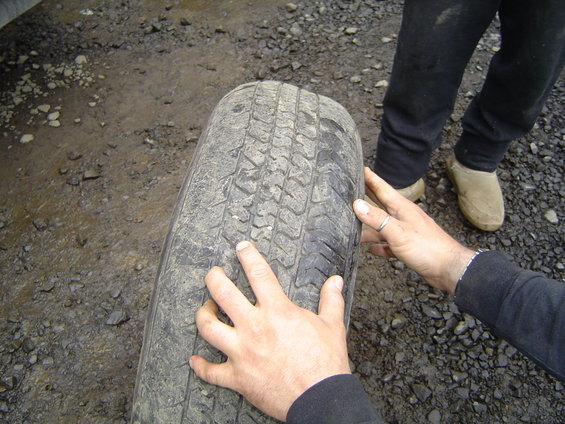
(278, 166)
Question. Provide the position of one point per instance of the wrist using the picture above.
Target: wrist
(460, 259)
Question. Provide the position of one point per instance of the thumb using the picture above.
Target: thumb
(332, 305)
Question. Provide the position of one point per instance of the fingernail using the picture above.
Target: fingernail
(361, 207)
(242, 245)
(337, 281)
(190, 363)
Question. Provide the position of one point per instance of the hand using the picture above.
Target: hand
(410, 235)
(276, 350)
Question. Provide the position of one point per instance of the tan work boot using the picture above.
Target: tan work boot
(479, 195)
(413, 192)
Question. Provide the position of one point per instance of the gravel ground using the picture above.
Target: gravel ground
(101, 105)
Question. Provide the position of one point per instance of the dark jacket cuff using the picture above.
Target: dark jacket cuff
(337, 399)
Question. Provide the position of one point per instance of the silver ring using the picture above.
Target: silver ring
(378, 230)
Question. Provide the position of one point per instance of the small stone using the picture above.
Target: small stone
(117, 317)
(115, 293)
(461, 328)
(90, 174)
(73, 181)
(138, 267)
(28, 345)
(73, 155)
(54, 124)
(386, 40)
(434, 416)
(366, 368)
(398, 321)
(432, 313)
(4, 406)
(462, 392)
(54, 116)
(296, 65)
(458, 377)
(44, 108)
(296, 30)
(355, 79)
(501, 361)
(421, 392)
(351, 30)
(291, 7)
(382, 84)
(80, 59)
(76, 120)
(551, 216)
(51, 85)
(48, 361)
(184, 21)
(26, 138)
(479, 408)
(81, 239)
(91, 104)
(40, 224)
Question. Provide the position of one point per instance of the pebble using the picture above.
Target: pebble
(386, 40)
(366, 368)
(351, 30)
(73, 155)
(398, 321)
(28, 345)
(80, 59)
(44, 108)
(26, 138)
(421, 392)
(90, 174)
(434, 416)
(40, 224)
(53, 116)
(48, 361)
(291, 7)
(355, 79)
(431, 312)
(55, 124)
(382, 84)
(551, 216)
(296, 30)
(117, 317)
(461, 328)
(479, 408)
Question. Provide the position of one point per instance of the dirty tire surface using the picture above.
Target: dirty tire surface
(278, 166)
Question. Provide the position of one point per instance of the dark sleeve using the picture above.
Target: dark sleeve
(339, 399)
(523, 307)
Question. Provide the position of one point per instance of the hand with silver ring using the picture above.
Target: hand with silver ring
(401, 229)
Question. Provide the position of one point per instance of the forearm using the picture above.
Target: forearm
(524, 308)
(339, 399)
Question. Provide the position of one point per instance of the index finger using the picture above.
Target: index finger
(383, 192)
(260, 275)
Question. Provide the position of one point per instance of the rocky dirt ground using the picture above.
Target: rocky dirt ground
(101, 106)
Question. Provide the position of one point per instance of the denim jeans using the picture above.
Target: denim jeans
(435, 43)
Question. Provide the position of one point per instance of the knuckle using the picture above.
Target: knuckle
(207, 328)
(260, 271)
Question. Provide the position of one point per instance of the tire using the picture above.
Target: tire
(278, 166)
